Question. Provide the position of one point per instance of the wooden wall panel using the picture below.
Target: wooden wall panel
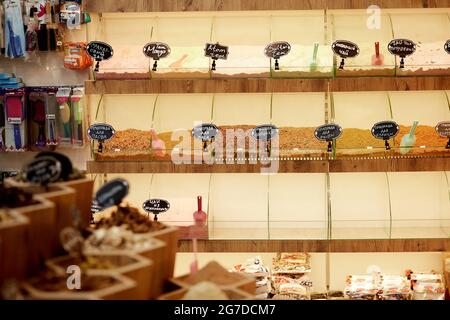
(378, 245)
(238, 5)
(266, 85)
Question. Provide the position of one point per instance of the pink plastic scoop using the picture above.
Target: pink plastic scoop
(377, 58)
(158, 146)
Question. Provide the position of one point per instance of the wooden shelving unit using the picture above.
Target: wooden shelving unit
(238, 5)
(360, 245)
(285, 166)
(162, 86)
(267, 85)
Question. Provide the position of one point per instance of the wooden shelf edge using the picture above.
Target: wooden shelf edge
(166, 86)
(376, 245)
(238, 5)
(287, 166)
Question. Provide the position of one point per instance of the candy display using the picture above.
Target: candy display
(133, 144)
(294, 263)
(256, 268)
(117, 238)
(427, 286)
(361, 287)
(288, 276)
(129, 218)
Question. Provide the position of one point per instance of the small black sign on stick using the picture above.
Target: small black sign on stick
(156, 206)
(43, 170)
(156, 51)
(206, 132)
(276, 50)
(265, 133)
(402, 48)
(344, 49)
(328, 133)
(443, 129)
(385, 130)
(216, 51)
(101, 132)
(111, 193)
(100, 51)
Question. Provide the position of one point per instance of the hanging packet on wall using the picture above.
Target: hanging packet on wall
(75, 56)
(50, 118)
(77, 115)
(71, 14)
(14, 31)
(37, 99)
(15, 124)
(63, 116)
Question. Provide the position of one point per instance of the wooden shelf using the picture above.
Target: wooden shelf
(285, 166)
(161, 86)
(372, 245)
(237, 5)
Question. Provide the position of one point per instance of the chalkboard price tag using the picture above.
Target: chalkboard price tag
(66, 164)
(216, 51)
(443, 129)
(156, 206)
(447, 46)
(265, 132)
(345, 49)
(328, 132)
(156, 51)
(43, 170)
(205, 131)
(101, 132)
(111, 193)
(100, 51)
(385, 130)
(402, 48)
(276, 50)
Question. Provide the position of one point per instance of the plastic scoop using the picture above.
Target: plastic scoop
(158, 146)
(179, 63)
(377, 58)
(199, 215)
(408, 140)
(313, 64)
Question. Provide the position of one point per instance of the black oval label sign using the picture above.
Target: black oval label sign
(216, 51)
(385, 130)
(328, 132)
(447, 46)
(345, 48)
(156, 206)
(276, 50)
(43, 170)
(66, 163)
(111, 193)
(101, 131)
(205, 131)
(99, 50)
(443, 129)
(156, 50)
(265, 132)
(401, 47)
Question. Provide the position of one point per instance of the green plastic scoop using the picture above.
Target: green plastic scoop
(313, 64)
(408, 140)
